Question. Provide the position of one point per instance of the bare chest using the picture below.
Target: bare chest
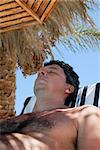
(39, 124)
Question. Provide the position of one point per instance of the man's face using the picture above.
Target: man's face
(51, 79)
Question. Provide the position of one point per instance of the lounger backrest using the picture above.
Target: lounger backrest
(89, 95)
(86, 95)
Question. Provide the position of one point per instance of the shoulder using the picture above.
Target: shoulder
(83, 114)
(88, 110)
(88, 119)
(82, 111)
(88, 126)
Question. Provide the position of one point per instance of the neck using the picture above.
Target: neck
(45, 104)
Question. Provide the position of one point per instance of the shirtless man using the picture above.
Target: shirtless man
(53, 126)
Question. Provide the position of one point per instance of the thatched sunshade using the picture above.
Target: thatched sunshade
(16, 14)
(28, 47)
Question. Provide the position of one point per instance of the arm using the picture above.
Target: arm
(18, 141)
(89, 129)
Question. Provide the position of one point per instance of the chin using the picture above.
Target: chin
(40, 90)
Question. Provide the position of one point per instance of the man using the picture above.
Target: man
(30, 102)
(52, 125)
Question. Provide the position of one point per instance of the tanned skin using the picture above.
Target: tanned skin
(60, 129)
(52, 126)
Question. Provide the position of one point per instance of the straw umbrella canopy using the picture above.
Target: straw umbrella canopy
(28, 31)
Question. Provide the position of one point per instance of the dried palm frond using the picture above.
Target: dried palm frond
(7, 83)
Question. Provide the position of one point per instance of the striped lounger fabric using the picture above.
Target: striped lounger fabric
(86, 95)
(89, 95)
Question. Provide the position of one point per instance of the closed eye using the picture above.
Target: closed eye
(52, 71)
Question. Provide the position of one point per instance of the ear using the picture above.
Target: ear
(69, 88)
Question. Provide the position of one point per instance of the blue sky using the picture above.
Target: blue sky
(86, 63)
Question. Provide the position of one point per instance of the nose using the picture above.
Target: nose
(43, 71)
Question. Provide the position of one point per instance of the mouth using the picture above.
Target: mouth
(42, 80)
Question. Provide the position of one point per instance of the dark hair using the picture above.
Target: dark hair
(71, 78)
